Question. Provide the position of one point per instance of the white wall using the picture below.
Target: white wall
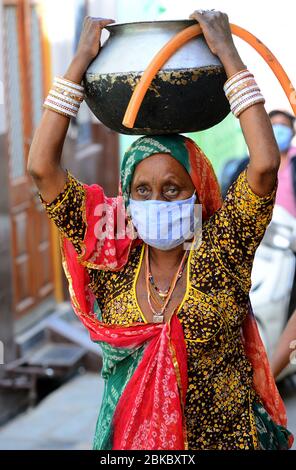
(103, 8)
(59, 22)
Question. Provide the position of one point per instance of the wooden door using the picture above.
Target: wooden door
(24, 92)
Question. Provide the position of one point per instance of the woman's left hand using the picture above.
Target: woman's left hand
(216, 30)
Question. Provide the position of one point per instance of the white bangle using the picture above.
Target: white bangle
(64, 97)
(66, 89)
(62, 102)
(237, 77)
(244, 98)
(58, 109)
(65, 81)
(242, 92)
(244, 82)
(248, 103)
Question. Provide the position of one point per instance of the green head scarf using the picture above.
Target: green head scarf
(187, 153)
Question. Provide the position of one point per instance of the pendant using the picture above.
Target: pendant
(162, 294)
(157, 318)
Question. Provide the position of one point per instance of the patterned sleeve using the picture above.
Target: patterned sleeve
(239, 226)
(67, 211)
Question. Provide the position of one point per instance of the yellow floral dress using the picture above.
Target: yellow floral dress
(219, 403)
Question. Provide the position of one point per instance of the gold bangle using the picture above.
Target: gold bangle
(253, 89)
(55, 94)
(66, 81)
(65, 92)
(230, 81)
(64, 99)
(240, 87)
(47, 106)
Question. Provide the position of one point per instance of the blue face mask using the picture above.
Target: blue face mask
(283, 135)
(164, 225)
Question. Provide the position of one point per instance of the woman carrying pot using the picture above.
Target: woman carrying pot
(183, 364)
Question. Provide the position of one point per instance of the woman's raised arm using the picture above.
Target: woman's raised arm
(44, 163)
(255, 122)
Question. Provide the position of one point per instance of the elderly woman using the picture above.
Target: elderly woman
(183, 364)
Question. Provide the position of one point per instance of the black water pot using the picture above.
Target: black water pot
(185, 96)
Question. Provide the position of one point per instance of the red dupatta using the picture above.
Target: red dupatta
(149, 413)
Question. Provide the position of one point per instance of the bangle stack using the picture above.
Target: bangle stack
(64, 97)
(242, 92)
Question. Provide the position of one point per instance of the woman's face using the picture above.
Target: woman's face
(161, 177)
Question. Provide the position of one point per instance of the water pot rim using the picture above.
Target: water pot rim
(187, 21)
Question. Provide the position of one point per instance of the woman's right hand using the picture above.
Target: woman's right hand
(89, 43)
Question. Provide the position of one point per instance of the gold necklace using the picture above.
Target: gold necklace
(158, 316)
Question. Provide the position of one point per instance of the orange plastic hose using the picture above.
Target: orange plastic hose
(271, 60)
(181, 38)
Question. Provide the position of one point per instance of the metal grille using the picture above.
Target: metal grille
(16, 137)
(36, 65)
